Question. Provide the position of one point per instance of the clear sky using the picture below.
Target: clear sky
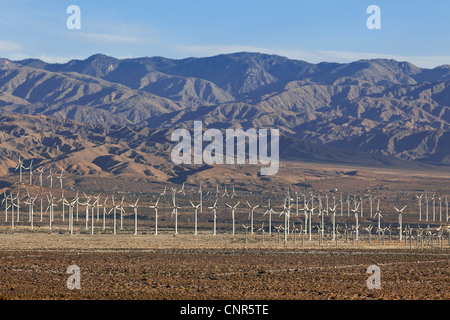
(322, 30)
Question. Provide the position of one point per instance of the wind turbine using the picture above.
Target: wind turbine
(200, 191)
(114, 209)
(30, 168)
(232, 214)
(195, 216)
(60, 177)
(5, 200)
(63, 203)
(311, 213)
(378, 213)
(446, 214)
(269, 211)
(87, 205)
(434, 207)
(155, 206)
(333, 210)
(50, 176)
(369, 231)
(214, 207)
(225, 193)
(246, 233)
(12, 208)
(420, 206)
(175, 212)
(355, 212)
(233, 194)
(135, 207)
(252, 209)
(400, 213)
(104, 213)
(17, 205)
(41, 171)
(182, 190)
(20, 167)
(122, 211)
(31, 209)
(263, 231)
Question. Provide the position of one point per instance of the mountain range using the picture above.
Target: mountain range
(380, 107)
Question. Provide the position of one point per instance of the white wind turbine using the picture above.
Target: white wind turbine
(5, 200)
(12, 208)
(263, 232)
(30, 168)
(41, 171)
(135, 207)
(155, 206)
(97, 199)
(195, 216)
(225, 193)
(446, 214)
(400, 213)
(434, 207)
(87, 205)
(200, 191)
(252, 210)
(104, 213)
(420, 206)
(51, 206)
(175, 212)
(30, 202)
(287, 214)
(20, 167)
(60, 177)
(311, 213)
(114, 210)
(17, 205)
(369, 231)
(246, 232)
(233, 208)
(355, 212)
(269, 211)
(378, 213)
(333, 210)
(63, 204)
(214, 208)
(233, 194)
(122, 211)
(50, 176)
(182, 190)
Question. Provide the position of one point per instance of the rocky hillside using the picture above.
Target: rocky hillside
(384, 107)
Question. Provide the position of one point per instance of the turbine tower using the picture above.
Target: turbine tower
(214, 208)
(155, 206)
(195, 216)
(135, 207)
(400, 213)
(250, 216)
(233, 208)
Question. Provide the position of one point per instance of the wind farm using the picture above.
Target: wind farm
(314, 222)
(95, 184)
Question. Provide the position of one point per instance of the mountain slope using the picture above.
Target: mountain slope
(380, 106)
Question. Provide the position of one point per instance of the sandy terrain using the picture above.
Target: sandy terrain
(33, 266)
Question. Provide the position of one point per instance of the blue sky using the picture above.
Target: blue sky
(315, 31)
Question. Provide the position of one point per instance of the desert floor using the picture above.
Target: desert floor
(33, 266)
